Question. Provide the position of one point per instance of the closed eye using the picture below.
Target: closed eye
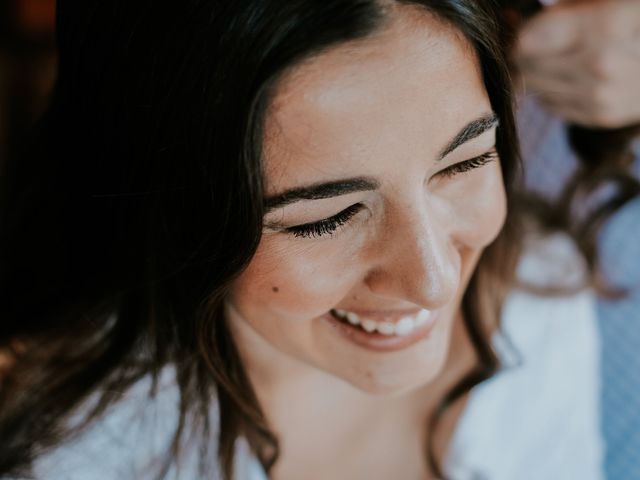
(326, 226)
(470, 164)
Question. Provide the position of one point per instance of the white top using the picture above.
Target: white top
(536, 419)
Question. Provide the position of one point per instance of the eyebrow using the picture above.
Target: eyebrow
(322, 190)
(318, 191)
(472, 130)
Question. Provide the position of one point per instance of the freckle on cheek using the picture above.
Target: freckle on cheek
(275, 289)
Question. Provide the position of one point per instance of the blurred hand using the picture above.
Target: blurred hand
(582, 58)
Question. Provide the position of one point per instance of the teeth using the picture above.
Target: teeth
(403, 327)
(423, 317)
(369, 325)
(353, 319)
(386, 328)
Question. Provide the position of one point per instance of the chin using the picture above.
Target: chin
(388, 388)
(383, 381)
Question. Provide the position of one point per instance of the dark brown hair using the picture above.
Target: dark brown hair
(139, 201)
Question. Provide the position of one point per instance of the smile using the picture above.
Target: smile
(402, 326)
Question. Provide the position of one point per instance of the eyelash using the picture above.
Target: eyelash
(470, 164)
(326, 226)
(329, 225)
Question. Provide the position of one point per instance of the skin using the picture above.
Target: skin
(582, 59)
(383, 108)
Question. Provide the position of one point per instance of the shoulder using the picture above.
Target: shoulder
(128, 442)
(539, 416)
(131, 440)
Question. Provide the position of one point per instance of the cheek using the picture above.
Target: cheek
(475, 207)
(290, 279)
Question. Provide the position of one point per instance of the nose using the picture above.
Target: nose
(416, 260)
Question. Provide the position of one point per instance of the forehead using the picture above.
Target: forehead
(404, 91)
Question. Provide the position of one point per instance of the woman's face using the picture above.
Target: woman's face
(383, 189)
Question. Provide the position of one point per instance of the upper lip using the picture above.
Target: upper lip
(392, 316)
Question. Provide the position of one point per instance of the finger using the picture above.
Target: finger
(568, 24)
(561, 99)
(567, 69)
(586, 113)
(556, 29)
(551, 88)
(571, 110)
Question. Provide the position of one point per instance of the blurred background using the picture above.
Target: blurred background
(27, 65)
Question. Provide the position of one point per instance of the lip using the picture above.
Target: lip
(392, 317)
(378, 342)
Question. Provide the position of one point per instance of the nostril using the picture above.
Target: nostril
(427, 287)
